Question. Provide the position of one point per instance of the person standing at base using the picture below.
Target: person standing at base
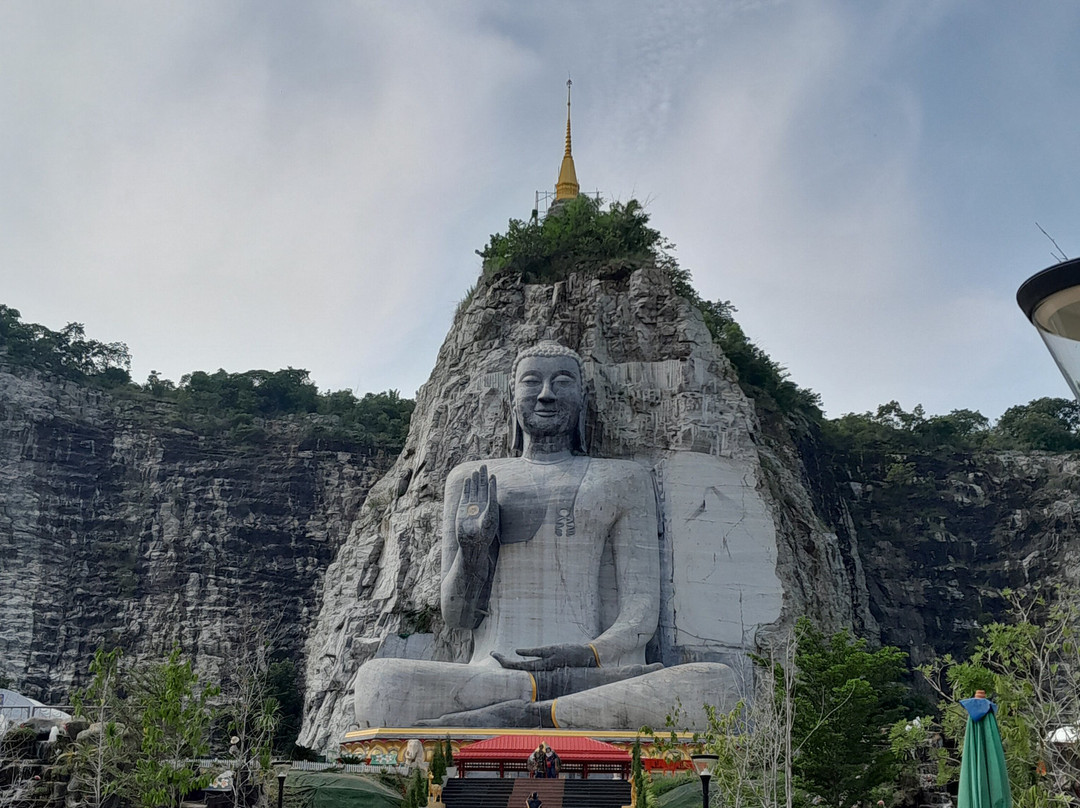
(534, 801)
(551, 763)
(535, 763)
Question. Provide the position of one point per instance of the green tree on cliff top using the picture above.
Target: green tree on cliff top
(66, 352)
(578, 235)
(582, 235)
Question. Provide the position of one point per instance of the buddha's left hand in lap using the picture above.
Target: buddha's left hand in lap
(550, 657)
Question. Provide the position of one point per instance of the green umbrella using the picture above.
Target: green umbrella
(984, 781)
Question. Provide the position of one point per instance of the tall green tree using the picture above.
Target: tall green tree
(438, 764)
(1050, 424)
(1029, 665)
(66, 352)
(846, 697)
(251, 712)
(176, 717)
(753, 741)
(637, 773)
(416, 792)
(283, 687)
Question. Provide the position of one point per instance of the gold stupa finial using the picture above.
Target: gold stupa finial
(567, 187)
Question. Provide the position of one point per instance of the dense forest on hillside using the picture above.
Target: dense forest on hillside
(235, 405)
(582, 235)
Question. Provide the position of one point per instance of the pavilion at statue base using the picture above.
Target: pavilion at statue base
(507, 757)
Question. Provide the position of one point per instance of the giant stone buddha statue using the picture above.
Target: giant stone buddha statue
(551, 560)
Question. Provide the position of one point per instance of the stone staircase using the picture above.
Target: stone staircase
(498, 793)
(465, 792)
(549, 791)
(595, 794)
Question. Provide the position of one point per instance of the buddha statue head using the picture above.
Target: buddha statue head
(547, 396)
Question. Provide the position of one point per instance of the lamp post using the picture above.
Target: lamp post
(281, 787)
(704, 765)
(1051, 301)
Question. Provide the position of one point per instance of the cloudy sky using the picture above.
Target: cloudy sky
(263, 184)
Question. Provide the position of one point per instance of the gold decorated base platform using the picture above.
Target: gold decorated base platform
(386, 745)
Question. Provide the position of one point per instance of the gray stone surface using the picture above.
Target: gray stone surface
(723, 553)
(658, 390)
(551, 560)
(118, 528)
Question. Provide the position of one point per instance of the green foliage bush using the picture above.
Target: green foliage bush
(240, 405)
(255, 392)
(305, 753)
(379, 420)
(659, 786)
(846, 696)
(66, 352)
(891, 429)
(1050, 424)
(1046, 424)
(578, 235)
(19, 743)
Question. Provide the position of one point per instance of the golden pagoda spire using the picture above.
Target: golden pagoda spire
(567, 187)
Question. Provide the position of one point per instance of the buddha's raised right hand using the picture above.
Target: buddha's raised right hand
(478, 512)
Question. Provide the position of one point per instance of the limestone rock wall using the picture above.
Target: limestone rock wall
(118, 529)
(743, 552)
(944, 538)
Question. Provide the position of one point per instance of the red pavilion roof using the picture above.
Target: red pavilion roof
(519, 747)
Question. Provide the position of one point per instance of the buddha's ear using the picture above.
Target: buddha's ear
(579, 432)
(517, 440)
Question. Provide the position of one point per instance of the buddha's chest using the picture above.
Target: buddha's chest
(547, 501)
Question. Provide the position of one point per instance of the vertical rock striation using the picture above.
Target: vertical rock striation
(945, 537)
(117, 529)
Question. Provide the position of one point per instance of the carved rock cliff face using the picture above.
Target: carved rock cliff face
(742, 551)
(116, 529)
(949, 531)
